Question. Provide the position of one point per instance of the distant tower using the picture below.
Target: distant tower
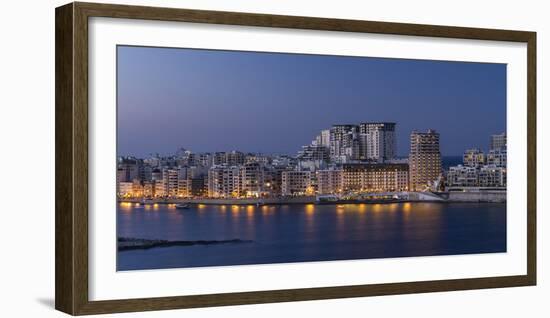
(424, 159)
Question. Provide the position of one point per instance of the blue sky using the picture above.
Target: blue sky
(208, 100)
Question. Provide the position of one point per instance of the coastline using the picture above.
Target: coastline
(494, 196)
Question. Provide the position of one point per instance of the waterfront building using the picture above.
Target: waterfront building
(184, 182)
(170, 177)
(159, 189)
(386, 177)
(360, 177)
(137, 188)
(330, 181)
(492, 176)
(156, 174)
(497, 157)
(498, 142)
(473, 158)
(462, 176)
(296, 183)
(148, 189)
(378, 141)
(224, 181)
(198, 186)
(252, 179)
(125, 189)
(424, 160)
(184, 188)
(273, 179)
(120, 176)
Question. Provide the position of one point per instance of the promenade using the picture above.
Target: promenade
(492, 196)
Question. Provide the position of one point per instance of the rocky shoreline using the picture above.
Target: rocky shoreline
(130, 243)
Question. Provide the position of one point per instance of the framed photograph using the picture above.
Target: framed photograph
(211, 158)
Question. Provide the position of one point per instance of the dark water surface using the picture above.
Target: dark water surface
(300, 233)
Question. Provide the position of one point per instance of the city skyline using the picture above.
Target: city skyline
(210, 101)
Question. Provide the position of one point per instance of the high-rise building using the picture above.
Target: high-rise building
(252, 179)
(341, 139)
(498, 142)
(378, 142)
(424, 159)
(156, 174)
(148, 189)
(325, 138)
(224, 181)
(158, 188)
(199, 186)
(170, 179)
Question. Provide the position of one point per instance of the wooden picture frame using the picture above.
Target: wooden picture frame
(71, 90)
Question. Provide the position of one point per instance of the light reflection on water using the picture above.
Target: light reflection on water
(309, 232)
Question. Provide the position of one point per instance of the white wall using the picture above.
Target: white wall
(27, 147)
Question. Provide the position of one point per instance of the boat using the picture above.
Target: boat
(183, 206)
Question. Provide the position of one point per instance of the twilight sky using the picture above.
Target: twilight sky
(206, 100)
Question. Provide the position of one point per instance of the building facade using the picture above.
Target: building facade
(224, 181)
(314, 153)
(377, 141)
(341, 140)
(462, 176)
(296, 183)
(497, 157)
(424, 160)
(252, 179)
(375, 177)
(473, 158)
(330, 181)
(498, 142)
(492, 177)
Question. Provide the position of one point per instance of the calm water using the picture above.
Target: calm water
(299, 233)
